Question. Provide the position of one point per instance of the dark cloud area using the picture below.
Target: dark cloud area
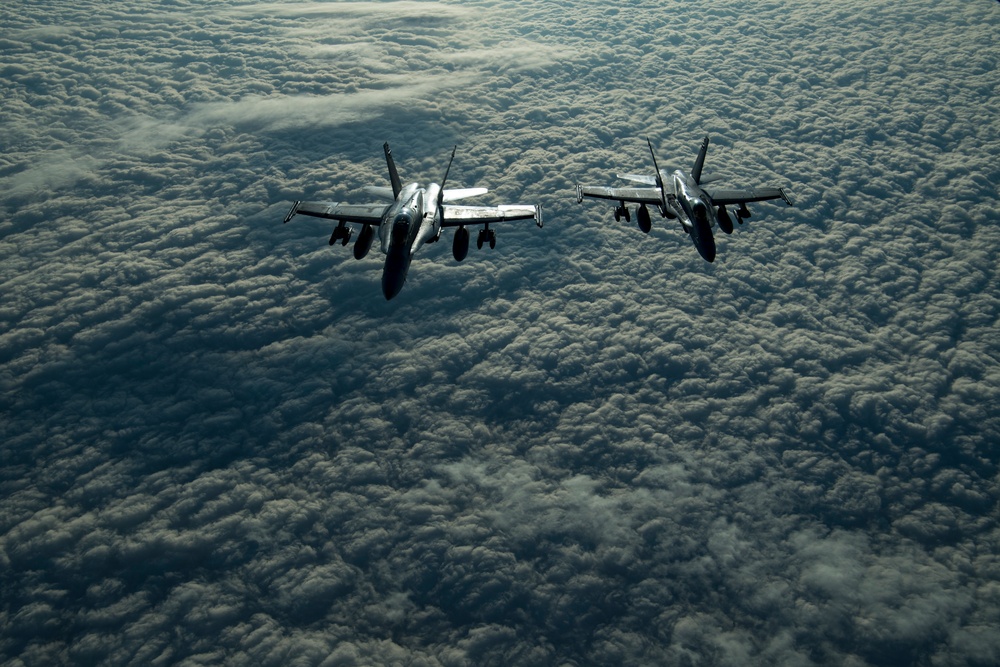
(221, 445)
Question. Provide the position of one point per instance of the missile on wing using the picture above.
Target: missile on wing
(341, 233)
(486, 235)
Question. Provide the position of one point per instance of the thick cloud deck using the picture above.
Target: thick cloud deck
(220, 444)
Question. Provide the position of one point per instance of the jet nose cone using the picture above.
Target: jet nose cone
(390, 290)
(703, 238)
(393, 274)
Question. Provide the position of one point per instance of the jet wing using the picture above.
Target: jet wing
(365, 214)
(635, 195)
(746, 195)
(456, 216)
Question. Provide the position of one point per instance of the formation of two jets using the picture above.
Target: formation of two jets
(416, 216)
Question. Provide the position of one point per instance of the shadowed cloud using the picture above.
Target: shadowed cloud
(587, 446)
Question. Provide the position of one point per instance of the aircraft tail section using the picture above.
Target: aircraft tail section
(380, 191)
(393, 174)
(638, 178)
(699, 162)
(456, 194)
(659, 177)
(445, 179)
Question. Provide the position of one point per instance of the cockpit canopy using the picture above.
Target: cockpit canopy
(401, 226)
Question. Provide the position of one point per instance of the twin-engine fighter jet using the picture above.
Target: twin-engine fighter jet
(696, 208)
(415, 217)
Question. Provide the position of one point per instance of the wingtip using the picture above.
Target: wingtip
(292, 211)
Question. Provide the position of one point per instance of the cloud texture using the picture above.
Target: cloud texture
(220, 444)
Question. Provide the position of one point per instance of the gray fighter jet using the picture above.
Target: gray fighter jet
(685, 200)
(415, 217)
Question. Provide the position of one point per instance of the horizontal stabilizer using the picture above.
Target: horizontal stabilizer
(383, 191)
(454, 194)
(638, 178)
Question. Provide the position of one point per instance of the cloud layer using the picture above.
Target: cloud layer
(221, 445)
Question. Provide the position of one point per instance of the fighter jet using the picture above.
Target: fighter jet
(415, 217)
(684, 199)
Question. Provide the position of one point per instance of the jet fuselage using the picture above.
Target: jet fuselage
(408, 223)
(695, 213)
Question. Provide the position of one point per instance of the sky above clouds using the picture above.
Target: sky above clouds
(221, 445)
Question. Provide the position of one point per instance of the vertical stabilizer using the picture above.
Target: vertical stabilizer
(393, 174)
(699, 162)
(445, 179)
(659, 177)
